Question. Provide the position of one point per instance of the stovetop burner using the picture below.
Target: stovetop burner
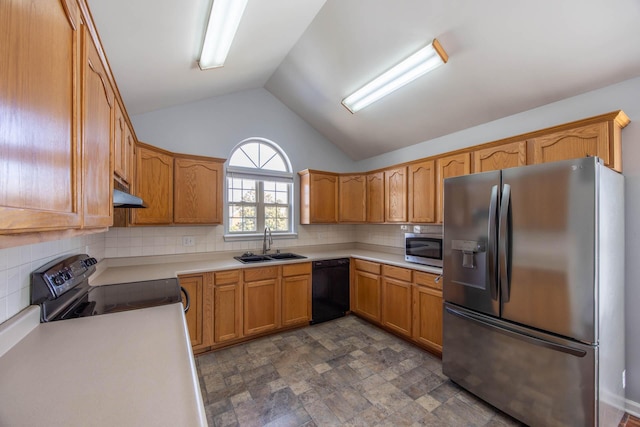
(62, 289)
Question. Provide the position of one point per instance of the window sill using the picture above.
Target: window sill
(258, 237)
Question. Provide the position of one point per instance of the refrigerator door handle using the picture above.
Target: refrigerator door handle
(515, 334)
(503, 231)
(492, 243)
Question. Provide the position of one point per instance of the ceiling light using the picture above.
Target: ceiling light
(421, 62)
(221, 29)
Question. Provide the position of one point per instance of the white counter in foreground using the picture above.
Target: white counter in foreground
(133, 368)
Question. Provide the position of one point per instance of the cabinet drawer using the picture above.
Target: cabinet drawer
(368, 266)
(296, 269)
(253, 274)
(396, 273)
(227, 277)
(427, 279)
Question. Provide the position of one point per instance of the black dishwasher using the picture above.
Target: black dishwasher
(330, 289)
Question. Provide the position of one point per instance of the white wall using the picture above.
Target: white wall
(214, 126)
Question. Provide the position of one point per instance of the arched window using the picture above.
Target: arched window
(259, 189)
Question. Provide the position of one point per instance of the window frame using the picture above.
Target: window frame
(260, 176)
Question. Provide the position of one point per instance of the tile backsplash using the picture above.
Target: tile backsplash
(16, 265)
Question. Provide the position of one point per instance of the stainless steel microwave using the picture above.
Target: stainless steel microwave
(423, 248)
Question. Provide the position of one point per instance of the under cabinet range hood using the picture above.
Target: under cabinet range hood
(126, 200)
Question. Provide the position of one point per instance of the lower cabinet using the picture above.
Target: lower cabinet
(296, 294)
(199, 317)
(427, 310)
(397, 299)
(261, 300)
(227, 306)
(367, 290)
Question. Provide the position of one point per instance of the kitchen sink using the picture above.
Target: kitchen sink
(249, 257)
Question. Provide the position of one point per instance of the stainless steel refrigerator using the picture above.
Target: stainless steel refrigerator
(534, 291)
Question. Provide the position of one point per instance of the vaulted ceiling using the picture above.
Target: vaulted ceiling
(505, 57)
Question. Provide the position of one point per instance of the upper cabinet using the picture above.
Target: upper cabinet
(375, 197)
(40, 176)
(124, 143)
(448, 167)
(177, 188)
(500, 157)
(98, 105)
(197, 190)
(422, 192)
(318, 197)
(154, 184)
(395, 195)
(353, 198)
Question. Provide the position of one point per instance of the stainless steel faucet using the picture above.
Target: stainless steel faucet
(266, 248)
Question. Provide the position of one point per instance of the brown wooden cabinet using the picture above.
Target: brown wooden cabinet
(447, 167)
(154, 184)
(500, 157)
(396, 299)
(352, 200)
(197, 197)
(395, 195)
(375, 197)
(296, 294)
(318, 197)
(123, 147)
(589, 140)
(98, 104)
(261, 300)
(427, 310)
(227, 309)
(422, 190)
(199, 317)
(40, 178)
(367, 290)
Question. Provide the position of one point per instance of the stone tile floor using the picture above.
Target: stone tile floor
(344, 372)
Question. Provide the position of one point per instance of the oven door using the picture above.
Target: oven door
(423, 249)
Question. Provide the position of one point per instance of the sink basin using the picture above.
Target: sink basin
(286, 255)
(250, 258)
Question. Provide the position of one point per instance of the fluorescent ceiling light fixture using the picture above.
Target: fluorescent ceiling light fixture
(221, 29)
(421, 62)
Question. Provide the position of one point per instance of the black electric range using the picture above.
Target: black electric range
(61, 288)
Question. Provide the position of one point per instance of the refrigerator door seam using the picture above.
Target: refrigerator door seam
(503, 231)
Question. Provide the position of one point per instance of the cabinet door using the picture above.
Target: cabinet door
(422, 188)
(500, 157)
(395, 195)
(375, 197)
(261, 306)
(352, 201)
(197, 191)
(296, 300)
(366, 295)
(97, 145)
(154, 184)
(119, 144)
(227, 309)
(427, 317)
(447, 167)
(39, 127)
(318, 198)
(396, 305)
(590, 140)
(194, 285)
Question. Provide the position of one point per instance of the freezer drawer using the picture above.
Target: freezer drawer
(539, 379)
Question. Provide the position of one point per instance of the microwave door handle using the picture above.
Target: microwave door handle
(493, 242)
(503, 231)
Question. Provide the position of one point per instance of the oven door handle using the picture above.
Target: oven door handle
(187, 298)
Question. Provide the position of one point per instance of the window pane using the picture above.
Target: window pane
(282, 186)
(269, 185)
(276, 163)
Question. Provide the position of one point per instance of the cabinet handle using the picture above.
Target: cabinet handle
(437, 279)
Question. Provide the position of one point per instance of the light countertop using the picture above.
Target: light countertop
(133, 269)
(131, 368)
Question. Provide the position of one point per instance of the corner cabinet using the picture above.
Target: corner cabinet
(318, 197)
(40, 188)
(197, 190)
(98, 106)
